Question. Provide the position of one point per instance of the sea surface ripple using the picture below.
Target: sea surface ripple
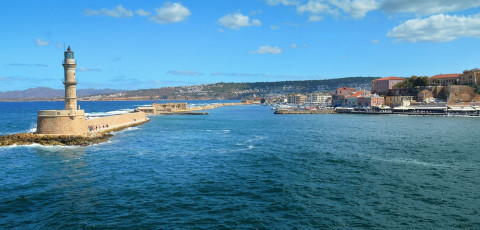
(244, 167)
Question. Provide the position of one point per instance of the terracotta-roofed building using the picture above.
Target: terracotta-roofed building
(370, 101)
(351, 100)
(445, 79)
(344, 91)
(382, 85)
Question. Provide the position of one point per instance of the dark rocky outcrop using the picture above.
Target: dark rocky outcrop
(30, 138)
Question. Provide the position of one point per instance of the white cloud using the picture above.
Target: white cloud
(237, 20)
(142, 12)
(171, 13)
(356, 8)
(437, 28)
(374, 41)
(267, 50)
(359, 8)
(314, 7)
(84, 69)
(293, 46)
(39, 42)
(117, 12)
(184, 72)
(314, 18)
(427, 7)
(281, 2)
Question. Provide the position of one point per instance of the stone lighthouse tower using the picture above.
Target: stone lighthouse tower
(69, 80)
(70, 120)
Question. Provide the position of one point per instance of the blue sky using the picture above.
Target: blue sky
(151, 44)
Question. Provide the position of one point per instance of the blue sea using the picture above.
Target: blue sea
(244, 167)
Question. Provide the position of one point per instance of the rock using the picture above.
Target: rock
(28, 138)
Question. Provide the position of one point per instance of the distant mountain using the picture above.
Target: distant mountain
(44, 92)
(220, 90)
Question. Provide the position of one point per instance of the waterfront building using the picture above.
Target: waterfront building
(344, 91)
(470, 77)
(382, 85)
(393, 101)
(296, 98)
(257, 100)
(351, 100)
(445, 79)
(320, 98)
(340, 94)
(370, 101)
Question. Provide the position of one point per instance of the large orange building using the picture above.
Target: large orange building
(382, 85)
(445, 79)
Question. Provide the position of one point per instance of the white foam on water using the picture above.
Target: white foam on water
(255, 138)
(127, 129)
(94, 115)
(45, 147)
(409, 161)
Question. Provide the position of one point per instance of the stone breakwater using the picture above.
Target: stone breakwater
(65, 140)
(61, 140)
(181, 108)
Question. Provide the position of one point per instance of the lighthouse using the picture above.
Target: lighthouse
(69, 81)
(70, 120)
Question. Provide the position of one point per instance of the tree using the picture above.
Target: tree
(413, 81)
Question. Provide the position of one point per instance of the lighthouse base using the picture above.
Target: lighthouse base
(61, 122)
(73, 122)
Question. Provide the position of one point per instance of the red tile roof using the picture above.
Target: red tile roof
(345, 88)
(440, 76)
(356, 94)
(389, 78)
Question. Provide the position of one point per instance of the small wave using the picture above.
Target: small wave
(127, 129)
(226, 130)
(255, 138)
(409, 161)
(45, 147)
(109, 113)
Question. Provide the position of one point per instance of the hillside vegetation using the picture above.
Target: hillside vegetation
(240, 90)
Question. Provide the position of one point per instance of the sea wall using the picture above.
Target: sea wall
(61, 122)
(166, 109)
(111, 123)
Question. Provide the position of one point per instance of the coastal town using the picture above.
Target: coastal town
(443, 94)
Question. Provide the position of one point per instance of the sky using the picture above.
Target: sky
(154, 43)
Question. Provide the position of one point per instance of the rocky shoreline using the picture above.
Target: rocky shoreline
(60, 140)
